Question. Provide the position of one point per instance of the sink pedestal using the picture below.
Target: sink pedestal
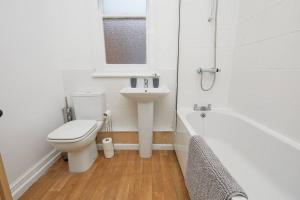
(145, 98)
(145, 126)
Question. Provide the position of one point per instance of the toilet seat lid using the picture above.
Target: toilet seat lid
(73, 130)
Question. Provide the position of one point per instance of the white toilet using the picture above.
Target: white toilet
(77, 137)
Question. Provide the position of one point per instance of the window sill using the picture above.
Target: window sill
(123, 75)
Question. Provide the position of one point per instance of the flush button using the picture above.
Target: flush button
(1, 113)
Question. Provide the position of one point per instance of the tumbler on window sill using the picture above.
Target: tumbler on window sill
(155, 81)
(133, 81)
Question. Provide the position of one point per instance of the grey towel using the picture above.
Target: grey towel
(206, 177)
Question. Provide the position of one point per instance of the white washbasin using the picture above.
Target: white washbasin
(144, 94)
(145, 98)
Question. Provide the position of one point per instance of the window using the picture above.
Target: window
(124, 25)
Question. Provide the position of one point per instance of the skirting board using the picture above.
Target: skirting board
(23, 183)
(136, 146)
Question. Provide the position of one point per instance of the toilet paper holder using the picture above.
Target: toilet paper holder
(108, 147)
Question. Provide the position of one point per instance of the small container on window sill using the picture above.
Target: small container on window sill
(133, 81)
(155, 81)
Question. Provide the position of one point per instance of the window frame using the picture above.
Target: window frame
(126, 69)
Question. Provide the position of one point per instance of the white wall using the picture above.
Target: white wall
(124, 111)
(265, 83)
(38, 39)
(83, 52)
(31, 90)
(197, 51)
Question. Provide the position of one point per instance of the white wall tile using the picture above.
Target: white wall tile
(196, 51)
(278, 19)
(270, 97)
(266, 66)
(279, 52)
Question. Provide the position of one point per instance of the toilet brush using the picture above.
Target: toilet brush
(68, 116)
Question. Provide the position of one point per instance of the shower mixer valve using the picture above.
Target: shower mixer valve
(211, 70)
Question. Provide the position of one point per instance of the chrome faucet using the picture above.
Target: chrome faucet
(146, 84)
(202, 108)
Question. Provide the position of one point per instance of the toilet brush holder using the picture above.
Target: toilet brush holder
(68, 114)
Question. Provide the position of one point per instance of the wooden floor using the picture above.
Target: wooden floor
(126, 176)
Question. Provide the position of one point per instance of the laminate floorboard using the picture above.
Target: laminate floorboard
(124, 177)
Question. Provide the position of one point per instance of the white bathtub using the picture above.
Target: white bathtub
(265, 163)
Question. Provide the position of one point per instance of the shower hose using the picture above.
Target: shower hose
(213, 18)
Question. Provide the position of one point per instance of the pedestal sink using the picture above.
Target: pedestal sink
(145, 98)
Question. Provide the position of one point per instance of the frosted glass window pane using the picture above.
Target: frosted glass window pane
(125, 41)
(125, 7)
